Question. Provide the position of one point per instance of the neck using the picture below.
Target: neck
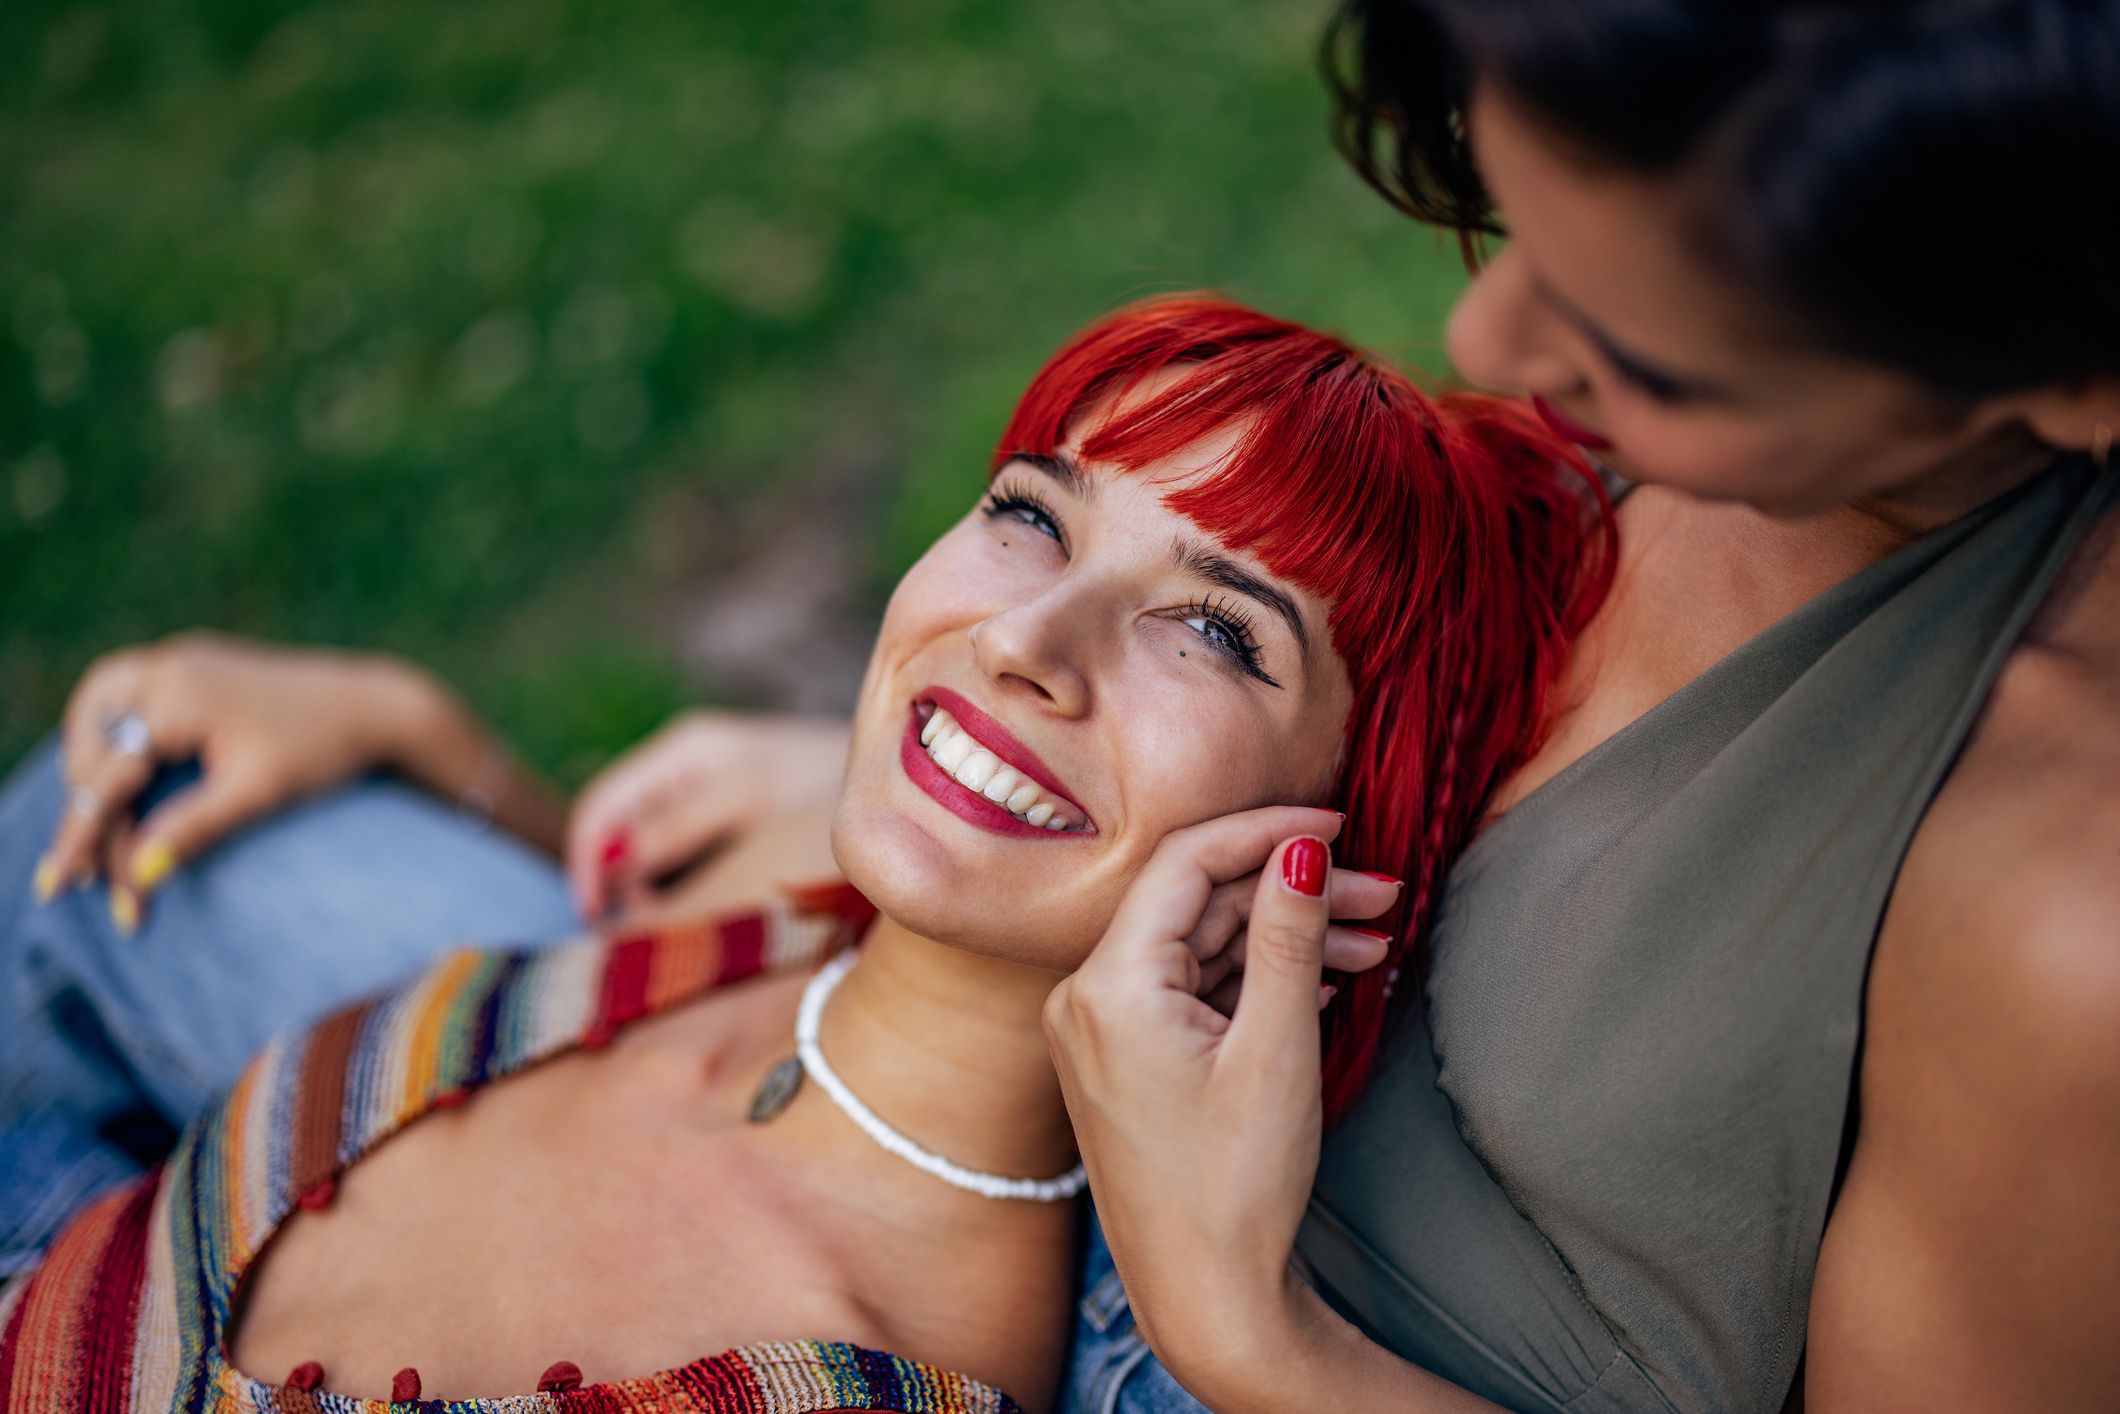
(948, 1048)
(1954, 488)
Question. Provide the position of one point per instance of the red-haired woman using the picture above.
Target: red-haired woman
(1236, 597)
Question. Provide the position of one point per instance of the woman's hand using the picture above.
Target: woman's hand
(1201, 1131)
(270, 724)
(704, 777)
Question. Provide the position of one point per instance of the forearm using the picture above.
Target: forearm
(427, 734)
(1304, 1356)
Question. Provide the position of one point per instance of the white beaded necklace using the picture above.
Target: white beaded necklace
(989, 1185)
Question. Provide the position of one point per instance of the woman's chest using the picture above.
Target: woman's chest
(534, 1226)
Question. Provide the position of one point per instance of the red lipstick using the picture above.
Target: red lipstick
(1568, 427)
(969, 805)
(999, 740)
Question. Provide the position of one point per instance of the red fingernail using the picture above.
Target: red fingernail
(1303, 867)
(616, 849)
(1392, 879)
(1325, 995)
(1368, 932)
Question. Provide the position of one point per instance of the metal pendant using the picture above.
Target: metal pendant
(776, 1090)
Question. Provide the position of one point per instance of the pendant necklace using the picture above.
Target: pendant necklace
(784, 1080)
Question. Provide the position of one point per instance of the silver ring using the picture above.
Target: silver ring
(85, 801)
(128, 735)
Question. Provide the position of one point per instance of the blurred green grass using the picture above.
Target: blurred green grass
(401, 325)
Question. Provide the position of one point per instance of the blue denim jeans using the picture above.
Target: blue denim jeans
(109, 1045)
(1110, 1369)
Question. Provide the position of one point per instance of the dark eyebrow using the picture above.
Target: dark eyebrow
(1061, 468)
(1633, 366)
(1193, 558)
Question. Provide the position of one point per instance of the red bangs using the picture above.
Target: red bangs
(1314, 487)
(1461, 545)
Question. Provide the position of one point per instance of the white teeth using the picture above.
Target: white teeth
(977, 770)
(951, 753)
(953, 748)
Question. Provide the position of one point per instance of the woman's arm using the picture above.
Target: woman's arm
(1201, 1131)
(1973, 1259)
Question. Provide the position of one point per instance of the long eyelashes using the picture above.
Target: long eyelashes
(1219, 620)
(1228, 627)
(1024, 504)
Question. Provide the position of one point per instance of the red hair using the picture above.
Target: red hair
(1462, 547)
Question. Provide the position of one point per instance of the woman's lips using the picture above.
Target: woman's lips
(966, 804)
(998, 739)
(1568, 427)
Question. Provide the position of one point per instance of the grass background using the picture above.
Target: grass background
(603, 358)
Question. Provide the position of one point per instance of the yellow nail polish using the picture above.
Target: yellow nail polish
(152, 865)
(46, 882)
(125, 911)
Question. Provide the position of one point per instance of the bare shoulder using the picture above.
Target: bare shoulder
(1972, 1260)
(2012, 884)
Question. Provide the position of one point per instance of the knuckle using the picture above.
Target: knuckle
(1059, 1012)
(1283, 943)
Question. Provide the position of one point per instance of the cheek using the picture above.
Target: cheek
(1808, 459)
(1190, 748)
(948, 586)
(1718, 456)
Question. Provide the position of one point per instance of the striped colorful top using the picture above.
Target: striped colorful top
(129, 1310)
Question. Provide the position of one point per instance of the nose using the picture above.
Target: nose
(1038, 647)
(1502, 336)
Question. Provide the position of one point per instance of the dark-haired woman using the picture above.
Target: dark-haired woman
(1769, 1041)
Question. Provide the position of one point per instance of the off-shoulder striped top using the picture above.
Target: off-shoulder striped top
(129, 1310)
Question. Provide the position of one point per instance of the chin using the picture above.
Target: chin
(934, 879)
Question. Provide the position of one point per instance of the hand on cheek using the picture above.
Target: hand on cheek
(1201, 1131)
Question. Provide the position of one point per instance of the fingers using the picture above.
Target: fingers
(1351, 894)
(1277, 1015)
(186, 824)
(1171, 894)
(599, 841)
(96, 798)
(680, 826)
(124, 897)
(1347, 949)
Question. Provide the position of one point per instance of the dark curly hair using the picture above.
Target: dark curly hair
(1929, 184)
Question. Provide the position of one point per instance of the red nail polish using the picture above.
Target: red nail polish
(616, 850)
(1303, 866)
(1368, 932)
(1391, 879)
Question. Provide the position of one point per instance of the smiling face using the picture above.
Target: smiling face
(1603, 306)
(1069, 674)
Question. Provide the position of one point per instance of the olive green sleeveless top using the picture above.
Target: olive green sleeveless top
(1594, 1174)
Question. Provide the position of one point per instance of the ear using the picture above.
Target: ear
(2085, 418)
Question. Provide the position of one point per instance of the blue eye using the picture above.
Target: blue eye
(1024, 505)
(1225, 626)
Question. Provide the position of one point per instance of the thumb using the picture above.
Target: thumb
(1284, 950)
(191, 821)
